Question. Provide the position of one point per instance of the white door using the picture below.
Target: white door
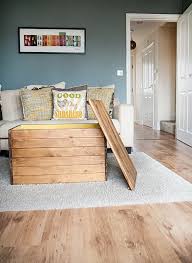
(148, 85)
(133, 78)
(184, 78)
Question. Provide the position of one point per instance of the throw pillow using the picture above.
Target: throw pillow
(70, 103)
(60, 85)
(105, 94)
(74, 88)
(37, 104)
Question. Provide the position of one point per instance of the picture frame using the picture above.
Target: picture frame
(52, 40)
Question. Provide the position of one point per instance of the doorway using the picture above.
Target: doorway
(131, 17)
(183, 72)
(148, 83)
(153, 59)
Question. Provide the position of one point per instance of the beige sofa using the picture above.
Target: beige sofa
(123, 119)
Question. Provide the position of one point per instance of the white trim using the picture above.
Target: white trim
(128, 61)
(139, 122)
(153, 17)
(136, 17)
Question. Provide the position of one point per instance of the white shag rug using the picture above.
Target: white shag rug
(155, 184)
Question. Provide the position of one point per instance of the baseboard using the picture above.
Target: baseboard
(140, 122)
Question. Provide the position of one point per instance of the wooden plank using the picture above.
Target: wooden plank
(59, 152)
(132, 234)
(10, 156)
(57, 143)
(58, 178)
(53, 126)
(115, 142)
(58, 161)
(60, 133)
(62, 170)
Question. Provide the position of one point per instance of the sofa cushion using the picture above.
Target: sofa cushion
(4, 128)
(105, 94)
(11, 105)
(37, 104)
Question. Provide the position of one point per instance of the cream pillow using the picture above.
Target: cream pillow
(60, 85)
(69, 103)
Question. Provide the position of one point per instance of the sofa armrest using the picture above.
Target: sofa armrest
(124, 113)
(11, 105)
(2, 122)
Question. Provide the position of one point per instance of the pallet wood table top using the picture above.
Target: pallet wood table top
(115, 142)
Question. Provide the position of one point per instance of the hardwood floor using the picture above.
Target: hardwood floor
(163, 147)
(142, 233)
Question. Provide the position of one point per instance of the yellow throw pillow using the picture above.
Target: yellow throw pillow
(37, 104)
(105, 94)
(69, 104)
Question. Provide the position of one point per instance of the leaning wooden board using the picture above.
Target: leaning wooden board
(115, 142)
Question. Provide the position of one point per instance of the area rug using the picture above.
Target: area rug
(155, 184)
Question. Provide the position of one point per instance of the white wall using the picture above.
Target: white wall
(167, 71)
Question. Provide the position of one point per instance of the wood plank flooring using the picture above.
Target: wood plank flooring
(163, 147)
(142, 233)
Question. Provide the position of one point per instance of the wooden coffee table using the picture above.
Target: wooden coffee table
(57, 153)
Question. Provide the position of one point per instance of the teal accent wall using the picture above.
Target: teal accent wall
(186, 4)
(104, 21)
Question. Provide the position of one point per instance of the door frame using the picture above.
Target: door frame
(143, 17)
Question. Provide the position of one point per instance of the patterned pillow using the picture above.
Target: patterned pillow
(70, 103)
(37, 104)
(60, 85)
(105, 94)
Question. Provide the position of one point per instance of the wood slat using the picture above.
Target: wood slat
(115, 142)
(57, 178)
(61, 170)
(58, 161)
(56, 143)
(59, 152)
(60, 133)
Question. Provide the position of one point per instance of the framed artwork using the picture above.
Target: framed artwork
(52, 40)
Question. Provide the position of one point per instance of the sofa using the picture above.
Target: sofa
(123, 119)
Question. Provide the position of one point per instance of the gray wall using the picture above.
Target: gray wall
(186, 4)
(104, 21)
